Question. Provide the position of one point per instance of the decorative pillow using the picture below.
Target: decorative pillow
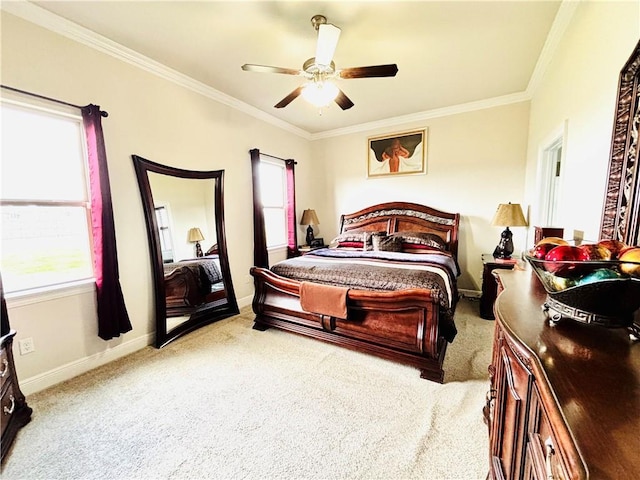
(355, 239)
(348, 240)
(421, 240)
(383, 243)
(348, 237)
(349, 245)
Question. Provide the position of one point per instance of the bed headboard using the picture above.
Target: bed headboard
(395, 217)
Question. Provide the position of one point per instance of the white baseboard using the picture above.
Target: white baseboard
(73, 369)
(470, 293)
(245, 301)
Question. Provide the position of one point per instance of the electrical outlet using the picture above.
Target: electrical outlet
(26, 346)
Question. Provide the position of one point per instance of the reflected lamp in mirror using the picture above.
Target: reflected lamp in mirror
(195, 235)
(309, 218)
(507, 215)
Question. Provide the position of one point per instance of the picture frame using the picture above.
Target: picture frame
(397, 154)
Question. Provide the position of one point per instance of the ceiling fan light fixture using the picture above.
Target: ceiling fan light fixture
(320, 94)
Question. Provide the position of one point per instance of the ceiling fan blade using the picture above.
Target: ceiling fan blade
(389, 70)
(328, 36)
(289, 98)
(343, 101)
(248, 67)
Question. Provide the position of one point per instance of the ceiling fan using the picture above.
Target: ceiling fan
(319, 71)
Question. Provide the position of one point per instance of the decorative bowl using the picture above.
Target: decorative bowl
(593, 292)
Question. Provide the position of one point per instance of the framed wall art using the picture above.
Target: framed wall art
(397, 154)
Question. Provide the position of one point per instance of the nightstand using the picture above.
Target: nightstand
(489, 285)
(306, 248)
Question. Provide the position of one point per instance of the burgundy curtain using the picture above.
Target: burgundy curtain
(260, 254)
(292, 235)
(112, 312)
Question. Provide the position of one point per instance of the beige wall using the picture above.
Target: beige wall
(475, 161)
(579, 89)
(157, 120)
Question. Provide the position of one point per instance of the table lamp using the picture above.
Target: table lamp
(507, 214)
(195, 235)
(309, 218)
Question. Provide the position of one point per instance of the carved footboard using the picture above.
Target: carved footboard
(181, 292)
(402, 326)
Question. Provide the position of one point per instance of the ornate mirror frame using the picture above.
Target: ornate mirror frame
(208, 313)
(621, 216)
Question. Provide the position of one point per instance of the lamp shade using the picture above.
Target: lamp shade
(195, 235)
(309, 217)
(509, 215)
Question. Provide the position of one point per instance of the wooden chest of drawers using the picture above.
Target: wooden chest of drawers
(564, 400)
(14, 412)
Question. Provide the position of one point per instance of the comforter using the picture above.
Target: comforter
(382, 271)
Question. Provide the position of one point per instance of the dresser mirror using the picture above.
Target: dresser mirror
(185, 227)
(621, 213)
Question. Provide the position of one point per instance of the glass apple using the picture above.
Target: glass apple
(630, 261)
(595, 251)
(564, 260)
(614, 246)
(553, 240)
(541, 250)
(598, 275)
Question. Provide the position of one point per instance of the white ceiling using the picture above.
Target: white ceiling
(448, 53)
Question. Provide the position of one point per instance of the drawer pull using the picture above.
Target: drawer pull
(550, 452)
(5, 369)
(9, 410)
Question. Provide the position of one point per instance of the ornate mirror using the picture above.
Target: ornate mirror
(185, 226)
(621, 215)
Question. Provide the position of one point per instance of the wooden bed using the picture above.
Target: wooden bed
(402, 325)
(191, 283)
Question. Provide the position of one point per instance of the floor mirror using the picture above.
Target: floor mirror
(184, 213)
(621, 213)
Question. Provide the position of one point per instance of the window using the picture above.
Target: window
(44, 200)
(164, 231)
(273, 188)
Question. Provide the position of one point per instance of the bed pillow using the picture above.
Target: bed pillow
(384, 243)
(420, 242)
(354, 239)
(351, 240)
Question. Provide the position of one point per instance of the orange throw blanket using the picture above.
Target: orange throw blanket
(324, 299)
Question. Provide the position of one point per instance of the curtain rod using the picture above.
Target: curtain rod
(102, 112)
(277, 158)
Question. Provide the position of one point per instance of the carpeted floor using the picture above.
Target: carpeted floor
(231, 402)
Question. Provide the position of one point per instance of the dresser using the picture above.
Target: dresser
(15, 412)
(564, 400)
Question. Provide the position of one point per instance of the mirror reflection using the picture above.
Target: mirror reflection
(184, 213)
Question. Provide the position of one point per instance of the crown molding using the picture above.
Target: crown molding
(43, 18)
(556, 32)
(426, 115)
(73, 31)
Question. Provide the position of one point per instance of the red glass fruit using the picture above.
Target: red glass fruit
(564, 260)
(595, 251)
(541, 250)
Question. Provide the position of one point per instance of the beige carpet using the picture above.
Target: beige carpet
(231, 402)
